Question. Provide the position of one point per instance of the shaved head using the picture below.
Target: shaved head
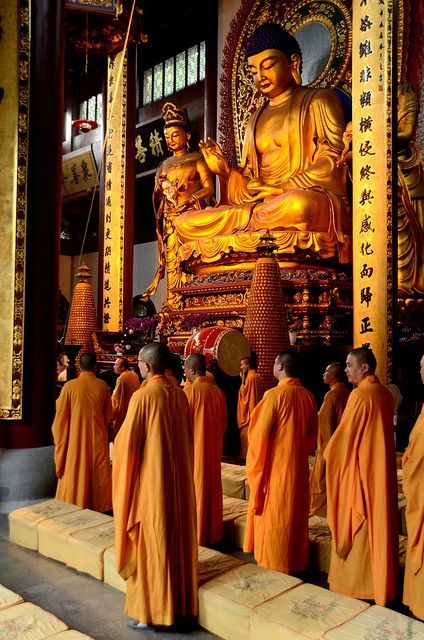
(87, 361)
(196, 361)
(363, 355)
(156, 355)
(336, 369)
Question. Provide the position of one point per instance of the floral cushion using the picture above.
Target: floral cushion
(212, 563)
(53, 533)
(8, 598)
(110, 573)
(226, 602)
(233, 478)
(86, 548)
(23, 522)
(378, 623)
(305, 612)
(26, 621)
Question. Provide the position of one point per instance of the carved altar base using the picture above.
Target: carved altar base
(317, 293)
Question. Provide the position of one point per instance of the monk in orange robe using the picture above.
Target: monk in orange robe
(208, 411)
(250, 392)
(80, 434)
(329, 416)
(125, 386)
(154, 501)
(282, 433)
(362, 508)
(413, 474)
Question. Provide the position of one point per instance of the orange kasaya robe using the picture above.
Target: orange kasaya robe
(250, 393)
(155, 506)
(126, 384)
(362, 508)
(80, 433)
(282, 433)
(208, 411)
(329, 416)
(413, 487)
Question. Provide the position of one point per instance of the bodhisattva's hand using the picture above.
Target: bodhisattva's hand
(260, 190)
(214, 158)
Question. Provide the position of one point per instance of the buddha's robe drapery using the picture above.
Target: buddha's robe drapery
(329, 416)
(362, 508)
(313, 203)
(413, 487)
(125, 386)
(80, 434)
(208, 411)
(154, 505)
(282, 433)
(250, 393)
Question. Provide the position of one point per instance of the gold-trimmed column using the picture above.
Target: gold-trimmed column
(372, 77)
(115, 195)
(14, 111)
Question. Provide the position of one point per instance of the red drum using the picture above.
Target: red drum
(227, 346)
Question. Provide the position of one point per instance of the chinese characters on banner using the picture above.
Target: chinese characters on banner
(372, 177)
(114, 195)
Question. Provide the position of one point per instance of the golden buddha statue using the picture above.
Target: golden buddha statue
(289, 181)
(183, 181)
(411, 196)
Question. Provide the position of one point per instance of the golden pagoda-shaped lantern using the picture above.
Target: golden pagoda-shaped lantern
(265, 326)
(82, 319)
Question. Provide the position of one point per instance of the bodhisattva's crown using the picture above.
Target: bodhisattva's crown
(174, 116)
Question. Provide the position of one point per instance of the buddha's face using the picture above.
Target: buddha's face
(176, 139)
(272, 72)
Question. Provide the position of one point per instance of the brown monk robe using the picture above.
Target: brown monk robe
(250, 392)
(362, 508)
(329, 416)
(125, 386)
(80, 433)
(413, 479)
(154, 500)
(208, 411)
(282, 433)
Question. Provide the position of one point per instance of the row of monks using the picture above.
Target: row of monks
(165, 482)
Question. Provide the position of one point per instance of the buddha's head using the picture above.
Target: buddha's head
(177, 128)
(274, 59)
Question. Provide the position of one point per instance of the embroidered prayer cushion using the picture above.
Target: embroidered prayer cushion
(378, 623)
(226, 602)
(71, 634)
(212, 563)
(233, 477)
(23, 522)
(319, 543)
(110, 573)
(305, 612)
(26, 621)
(232, 509)
(8, 598)
(86, 548)
(53, 533)
(240, 530)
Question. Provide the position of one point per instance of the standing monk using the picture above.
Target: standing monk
(80, 433)
(125, 386)
(209, 417)
(413, 474)
(362, 508)
(329, 417)
(282, 433)
(250, 393)
(154, 500)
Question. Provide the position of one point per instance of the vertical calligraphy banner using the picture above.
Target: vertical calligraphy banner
(114, 194)
(372, 78)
